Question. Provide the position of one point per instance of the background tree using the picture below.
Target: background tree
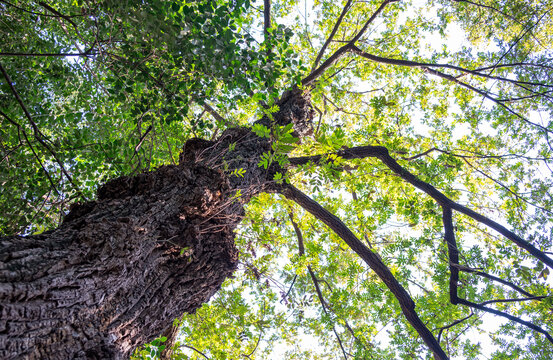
(429, 156)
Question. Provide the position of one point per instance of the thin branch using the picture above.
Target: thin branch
(499, 183)
(371, 19)
(290, 288)
(256, 345)
(37, 133)
(344, 49)
(139, 145)
(477, 155)
(35, 13)
(332, 33)
(429, 68)
(52, 10)
(20, 129)
(489, 8)
(493, 278)
(489, 97)
(508, 316)
(456, 322)
(372, 259)
(13, 54)
(196, 350)
(514, 300)
(324, 305)
(409, 63)
(382, 153)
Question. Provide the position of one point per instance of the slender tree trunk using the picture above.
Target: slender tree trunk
(120, 269)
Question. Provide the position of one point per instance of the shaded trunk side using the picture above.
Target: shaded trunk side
(120, 269)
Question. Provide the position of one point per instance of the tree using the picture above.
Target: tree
(345, 175)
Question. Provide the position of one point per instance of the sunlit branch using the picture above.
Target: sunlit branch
(503, 186)
(508, 316)
(344, 49)
(196, 350)
(214, 113)
(320, 119)
(332, 33)
(324, 305)
(429, 68)
(493, 278)
(456, 322)
(340, 109)
(383, 155)
(373, 260)
(409, 63)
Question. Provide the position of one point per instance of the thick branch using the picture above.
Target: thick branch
(449, 238)
(373, 260)
(453, 254)
(382, 153)
(266, 17)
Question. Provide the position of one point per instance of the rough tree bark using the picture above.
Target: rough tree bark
(120, 269)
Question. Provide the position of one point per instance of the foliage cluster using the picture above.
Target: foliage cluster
(116, 87)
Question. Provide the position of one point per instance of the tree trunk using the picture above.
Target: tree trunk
(120, 269)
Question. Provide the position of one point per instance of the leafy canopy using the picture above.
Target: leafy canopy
(459, 92)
